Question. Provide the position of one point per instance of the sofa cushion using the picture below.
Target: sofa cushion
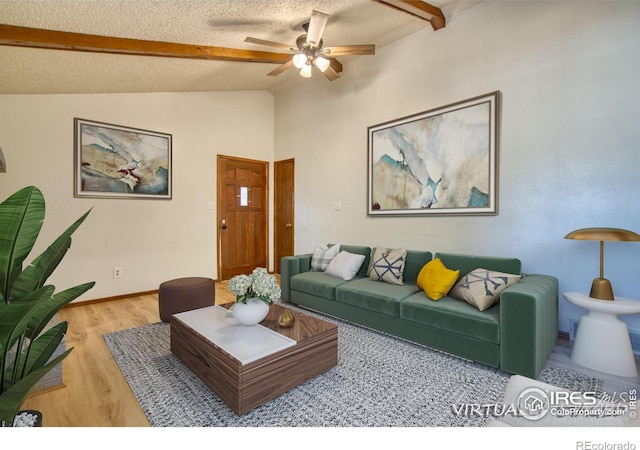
(322, 256)
(481, 287)
(416, 259)
(387, 265)
(375, 295)
(453, 315)
(467, 263)
(436, 280)
(316, 283)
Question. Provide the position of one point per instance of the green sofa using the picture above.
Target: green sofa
(517, 334)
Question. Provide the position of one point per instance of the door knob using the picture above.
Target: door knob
(288, 225)
(223, 224)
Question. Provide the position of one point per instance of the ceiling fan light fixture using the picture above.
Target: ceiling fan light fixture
(321, 63)
(299, 60)
(306, 71)
(309, 50)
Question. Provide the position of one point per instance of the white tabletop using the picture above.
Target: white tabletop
(244, 343)
(617, 306)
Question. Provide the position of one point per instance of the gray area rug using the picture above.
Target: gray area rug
(380, 381)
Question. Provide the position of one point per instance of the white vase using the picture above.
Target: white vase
(250, 313)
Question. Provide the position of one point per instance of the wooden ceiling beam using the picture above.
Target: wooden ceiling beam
(420, 9)
(61, 40)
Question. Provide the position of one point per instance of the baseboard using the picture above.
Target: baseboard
(115, 297)
(109, 299)
(564, 338)
(563, 335)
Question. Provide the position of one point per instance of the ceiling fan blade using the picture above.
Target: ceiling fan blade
(278, 70)
(331, 74)
(335, 65)
(347, 50)
(270, 44)
(316, 28)
(60, 40)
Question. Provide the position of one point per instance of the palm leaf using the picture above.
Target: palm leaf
(47, 308)
(15, 317)
(37, 353)
(21, 217)
(37, 273)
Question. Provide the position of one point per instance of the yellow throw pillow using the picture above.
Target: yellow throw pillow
(436, 280)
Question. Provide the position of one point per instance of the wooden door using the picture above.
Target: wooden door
(283, 210)
(242, 215)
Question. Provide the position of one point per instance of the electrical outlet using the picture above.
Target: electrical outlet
(211, 205)
(117, 272)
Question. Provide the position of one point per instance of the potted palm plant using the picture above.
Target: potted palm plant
(26, 303)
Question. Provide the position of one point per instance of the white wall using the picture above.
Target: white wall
(151, 240)
(569, 155)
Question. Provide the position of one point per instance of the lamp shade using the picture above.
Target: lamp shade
(299, 60)
(603, 234)
(306, 71)
(322, 63)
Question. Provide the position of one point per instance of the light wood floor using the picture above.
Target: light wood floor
(95, 394)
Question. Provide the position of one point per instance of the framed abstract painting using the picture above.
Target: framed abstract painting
(438, 162)
(113, 161)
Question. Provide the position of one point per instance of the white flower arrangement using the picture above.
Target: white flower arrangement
(257, 285)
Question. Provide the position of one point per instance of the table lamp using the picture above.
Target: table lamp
(601, 287)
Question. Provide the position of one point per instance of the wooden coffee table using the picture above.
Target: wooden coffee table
(246, 386)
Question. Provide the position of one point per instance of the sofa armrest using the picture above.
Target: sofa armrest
(290, 266)
(528, 324)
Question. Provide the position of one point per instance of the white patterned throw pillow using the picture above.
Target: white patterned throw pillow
(322, 256)
(482, 287)
(388, 265)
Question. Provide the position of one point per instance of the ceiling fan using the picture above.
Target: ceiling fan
(309, 50)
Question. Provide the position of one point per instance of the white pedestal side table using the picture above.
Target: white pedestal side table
(602, 342)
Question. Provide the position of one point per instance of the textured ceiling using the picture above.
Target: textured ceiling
(220, 23)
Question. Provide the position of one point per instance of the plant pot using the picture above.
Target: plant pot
(251, 313)
(37, 422)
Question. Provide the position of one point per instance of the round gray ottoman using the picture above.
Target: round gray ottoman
(185, 294)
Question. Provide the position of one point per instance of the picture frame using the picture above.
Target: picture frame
(115, 161)
(438, 162)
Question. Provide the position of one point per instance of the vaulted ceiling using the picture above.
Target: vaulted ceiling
(199, 24)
